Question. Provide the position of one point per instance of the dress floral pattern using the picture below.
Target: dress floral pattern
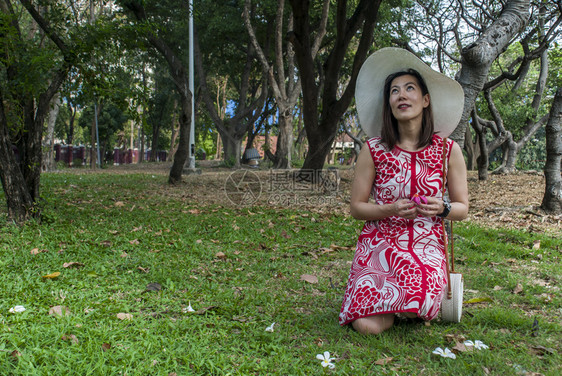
(399, 264)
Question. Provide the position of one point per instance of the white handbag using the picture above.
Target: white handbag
(451, 305)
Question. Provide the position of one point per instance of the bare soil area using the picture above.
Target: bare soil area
(511, 201)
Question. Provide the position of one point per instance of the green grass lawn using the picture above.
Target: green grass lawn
(148, 250)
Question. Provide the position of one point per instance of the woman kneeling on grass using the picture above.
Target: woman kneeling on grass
(400, 265)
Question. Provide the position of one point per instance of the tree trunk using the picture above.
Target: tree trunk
(552, 199)
(325, 84)
(175, 131)
(483, 160)
(284, 142)
(182, 151)
(93, 139)
(232, 150)
(478, 57)
(510, 157)
(141, 143)
(19, 202)
(155, 136)
(48, 142)
(70, 129)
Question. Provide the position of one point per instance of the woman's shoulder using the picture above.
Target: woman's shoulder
(438, 140)
(374, 142)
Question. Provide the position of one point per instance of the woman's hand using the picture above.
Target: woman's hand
(433, 207)
(405, 208)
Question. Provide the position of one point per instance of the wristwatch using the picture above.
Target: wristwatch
(446, 208)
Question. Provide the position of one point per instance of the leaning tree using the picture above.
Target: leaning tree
(149, 20)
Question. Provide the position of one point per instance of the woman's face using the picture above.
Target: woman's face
(406, 98)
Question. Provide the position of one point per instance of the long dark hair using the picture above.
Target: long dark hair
(389, 131)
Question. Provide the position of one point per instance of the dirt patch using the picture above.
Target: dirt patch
(511, 201)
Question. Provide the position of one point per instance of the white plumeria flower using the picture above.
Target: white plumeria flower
(188, 309)
(479, 345)
(326, 360)
(444, 353)
(18, 308)
(269, 328)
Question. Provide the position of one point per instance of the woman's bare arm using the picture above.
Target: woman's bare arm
(361, 208)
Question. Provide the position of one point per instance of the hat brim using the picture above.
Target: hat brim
(446, 94)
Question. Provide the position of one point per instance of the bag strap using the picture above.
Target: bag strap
(449, 269)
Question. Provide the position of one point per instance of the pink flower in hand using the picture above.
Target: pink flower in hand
(417, 199)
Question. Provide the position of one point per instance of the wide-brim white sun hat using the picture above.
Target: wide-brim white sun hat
(446, 94)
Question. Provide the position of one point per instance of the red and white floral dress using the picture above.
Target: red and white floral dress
(399, 264)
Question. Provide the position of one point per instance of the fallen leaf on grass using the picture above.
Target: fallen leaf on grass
(342, 248)
(124, 316)
(478, 300)
(36, 251)
(383, 361)
(537, 245)
(309, 278)
(203, 310)
(71, 337)
(461, 347)
(323, 251)
(59, 311)
(144, 270)
(153, 287)
(220, 255)
(518, 289)
(134, 242)
(124, 254)
(106, 243)
(119, 204)
(52, 275)
(72, 264)
(455, 338)
(541, 350)
(105, 346)
(15, 354)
